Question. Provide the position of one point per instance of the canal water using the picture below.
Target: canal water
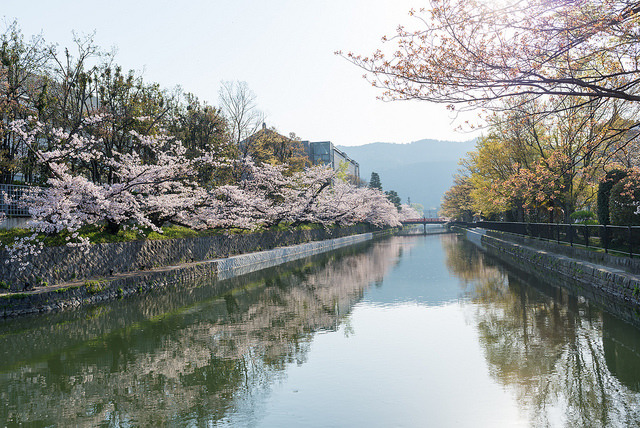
(413, 331)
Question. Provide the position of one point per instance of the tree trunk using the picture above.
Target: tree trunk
(112, 227)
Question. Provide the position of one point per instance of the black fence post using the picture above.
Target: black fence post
(571, 235)
(605, 239)
(586, 236)
(630, 243)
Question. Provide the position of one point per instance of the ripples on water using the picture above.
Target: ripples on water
(409, 331)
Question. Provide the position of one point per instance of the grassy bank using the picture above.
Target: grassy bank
(99, 234)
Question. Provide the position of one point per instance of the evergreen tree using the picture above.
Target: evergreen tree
(374, 182)
(393, 197)
(604, 190)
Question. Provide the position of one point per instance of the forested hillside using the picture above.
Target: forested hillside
(421, 170)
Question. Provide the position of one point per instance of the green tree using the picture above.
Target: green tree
(537, 164)
(393, 197)
(374, 182)
(604, 191)
(22, 70)
(203, 129)
(457, 202)
(128, 105)
(418, 207)
(268, 146)
(507, 148)
(623, 201)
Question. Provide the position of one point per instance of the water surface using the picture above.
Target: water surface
(408, 331)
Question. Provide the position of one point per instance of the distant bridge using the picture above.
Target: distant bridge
(424, 220)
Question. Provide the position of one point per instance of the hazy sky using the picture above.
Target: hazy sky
(283, 49)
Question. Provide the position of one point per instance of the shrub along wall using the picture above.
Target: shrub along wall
(63, 264)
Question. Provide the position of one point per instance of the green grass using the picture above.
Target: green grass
(95, 286)
(7, 236)
(99, 235)
(65, 289)
(15, 296)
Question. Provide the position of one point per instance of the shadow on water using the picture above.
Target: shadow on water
(567, 359)
(182, 357)
(621, 351)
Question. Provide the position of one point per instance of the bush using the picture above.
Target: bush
(623, 201)
(604, 190)
(583, 217)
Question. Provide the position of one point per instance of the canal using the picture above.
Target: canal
(408, 331)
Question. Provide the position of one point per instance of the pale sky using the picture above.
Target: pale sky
(283, 49)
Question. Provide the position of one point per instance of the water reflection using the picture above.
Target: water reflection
(621, 351)
(435, 329)
(186, 357)
(418, 276)
(569, 363)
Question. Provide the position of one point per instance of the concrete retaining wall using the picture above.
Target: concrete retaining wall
(606, 282)
(80, 293)
(245, 263)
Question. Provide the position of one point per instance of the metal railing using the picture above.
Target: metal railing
(621, 239)
(10, 195)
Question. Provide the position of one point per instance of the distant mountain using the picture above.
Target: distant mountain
(422, 170)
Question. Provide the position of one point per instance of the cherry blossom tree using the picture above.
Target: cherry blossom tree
(268, 196)
(408, 212)
(482, 52)
(346, 204)
(159, 183)
(145, 190)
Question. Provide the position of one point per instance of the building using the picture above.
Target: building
(325, 153)
(284, 150)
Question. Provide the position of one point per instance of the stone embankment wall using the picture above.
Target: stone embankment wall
(79, 293)
(585, 270)
(631, 265)
(55, 265)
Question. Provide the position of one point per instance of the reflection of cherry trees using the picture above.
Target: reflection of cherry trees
(546, 344)
(183, 357)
